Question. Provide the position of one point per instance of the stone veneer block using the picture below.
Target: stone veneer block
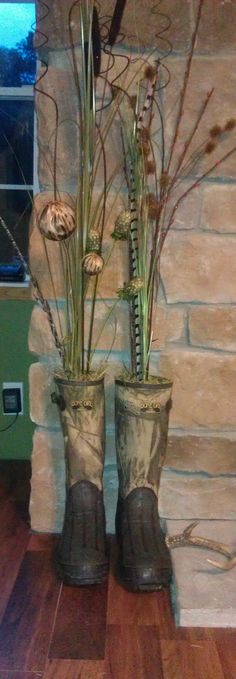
(168, 325)
(42, 411)
(218, 210)
(216, 31)
(137, 14)
(211, 455)
(206, 73)
(40, 339)
(213, 327)
(59, 84)
(204, 388)
(47, 500)
(189, 496)
(202, 595)
(188, 215)
(114, 333)
(199, 267)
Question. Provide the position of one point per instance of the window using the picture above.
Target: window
(17, 145)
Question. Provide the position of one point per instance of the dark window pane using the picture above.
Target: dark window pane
(17, 56)
(15, 209)
(16, 142)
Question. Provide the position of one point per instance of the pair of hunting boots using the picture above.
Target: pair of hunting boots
(141, 425)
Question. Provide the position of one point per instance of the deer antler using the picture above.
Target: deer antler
(224, 566)
(186, 538)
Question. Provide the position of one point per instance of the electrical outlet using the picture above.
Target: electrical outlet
(7, 396)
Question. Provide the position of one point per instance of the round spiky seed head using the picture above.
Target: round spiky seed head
(164, 180)
(131, 289)
(215, 131)
(230, 124)
(153, 206)
(150, 166)
(57, 220)
(144, 148)
(92, 264)
(150, 72)
(144, 134)
(122, 225)
(93, 241)
(210, 146)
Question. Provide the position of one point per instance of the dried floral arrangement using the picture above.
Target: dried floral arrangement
(153, 173)
(77, 224)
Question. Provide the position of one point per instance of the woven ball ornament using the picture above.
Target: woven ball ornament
(92, 264)
(57, 220)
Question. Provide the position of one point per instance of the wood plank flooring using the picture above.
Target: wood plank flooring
(52, 631)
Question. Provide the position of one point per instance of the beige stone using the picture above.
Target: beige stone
(213, 327)
(110, 329)
(206, 73)
(216, 31)
(188, 215)
(195, 496)
(42, 411)
(199, 267)
(47, 499)
(60, 150)
(212, 455)
(203, 596)
(137, 14)
(40, 340)
(218, 212)
(168, 325)
(204, 388)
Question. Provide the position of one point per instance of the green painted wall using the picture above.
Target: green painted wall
(16, 443)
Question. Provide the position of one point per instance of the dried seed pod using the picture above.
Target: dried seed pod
(131, 289)
(230, 124)
(215, 131)
(153, 206)
(144, 134)
(144, 148)
(92, 264)
(150, 166)
(122, 225)
(57, 220)
(93, 241)
(164, 180)
(210, 146)
(150, 72)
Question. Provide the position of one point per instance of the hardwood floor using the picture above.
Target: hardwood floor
(49, 631)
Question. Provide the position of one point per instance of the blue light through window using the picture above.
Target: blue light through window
(17, 57)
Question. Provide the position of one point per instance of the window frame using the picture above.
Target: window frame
(23, 93)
